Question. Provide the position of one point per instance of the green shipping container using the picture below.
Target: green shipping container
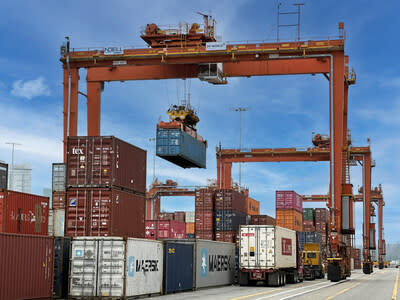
(308, 214)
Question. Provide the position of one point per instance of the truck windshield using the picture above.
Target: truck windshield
(311, 255)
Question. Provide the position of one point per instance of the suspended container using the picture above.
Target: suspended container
(180, 145)
(372, 239)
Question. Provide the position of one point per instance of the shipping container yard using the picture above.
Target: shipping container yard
(169, 206)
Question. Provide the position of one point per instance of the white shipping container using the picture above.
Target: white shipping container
(189, 217)
(50, 223)
(58, 222)
(267, 247)
(123, 267)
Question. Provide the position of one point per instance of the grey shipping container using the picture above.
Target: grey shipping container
(3, 176)
(229, 220)
(59, 173)
(61, 266)
(180, 148)
(178, 267)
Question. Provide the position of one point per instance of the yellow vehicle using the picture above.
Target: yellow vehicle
(312, 262)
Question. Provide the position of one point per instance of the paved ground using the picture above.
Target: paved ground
(380, 285)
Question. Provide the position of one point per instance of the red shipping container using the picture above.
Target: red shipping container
(26, 264)
(23, 213)
(104, 212)
(204, 199)
(321, 215)
(158, 229)
(204, 220)
(262, 220)
(229, 199)
(205, 235)
(225, 236)
(105, 161)
(289, 200)
(58, 200)
(179, 216)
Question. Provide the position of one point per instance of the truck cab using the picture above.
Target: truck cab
(312, 262)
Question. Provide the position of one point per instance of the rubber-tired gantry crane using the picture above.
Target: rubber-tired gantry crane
(195, 54)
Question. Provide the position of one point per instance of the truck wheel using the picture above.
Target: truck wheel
(243, 278)
(284, 279)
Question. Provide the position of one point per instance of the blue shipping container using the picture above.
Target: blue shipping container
(229, 220)
(61, 267)
(178, 267)
(309, 238)
(180, 148)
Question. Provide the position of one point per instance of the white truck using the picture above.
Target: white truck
(269, 253)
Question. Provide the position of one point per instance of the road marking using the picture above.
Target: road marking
(256, 294)
(291, 290)
(343, 291)
(310, 291)
(394, 295)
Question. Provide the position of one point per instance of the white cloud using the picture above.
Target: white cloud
(30, 89)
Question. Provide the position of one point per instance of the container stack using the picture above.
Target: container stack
(252, 207)
(204, 214)
(230, 213)
(262, 220)
(289, 210)
(106, 185)
(179, 216)
(357, 258)
(321, 226)
(308, 219)
(189, 220)
(59, 194)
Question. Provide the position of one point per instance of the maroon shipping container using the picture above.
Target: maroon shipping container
(105, 161)
(321, 215)
(205, 235)
(23, 213)
(289, 200)
(58, 200)
(158, 229)
(104, 212)
(225, 236)
(321, 226)
(229, 199)
(179, 216)
(204, 220)
(308, 222)
(308, 228)
(166, 216)
(26, 264)
(262, 220)
(204, 199)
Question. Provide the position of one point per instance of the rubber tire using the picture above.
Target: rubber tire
(284, 279)
(243, 278)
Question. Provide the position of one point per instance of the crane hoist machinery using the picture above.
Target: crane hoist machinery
(177, 141)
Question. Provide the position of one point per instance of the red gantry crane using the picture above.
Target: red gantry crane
(194, 54)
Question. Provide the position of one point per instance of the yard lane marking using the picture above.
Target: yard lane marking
(394, 295)
(343, 291)
(310, 291)
(256, 294)
(296, 289)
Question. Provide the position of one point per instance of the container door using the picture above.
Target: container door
(247, 247)
(99, 202)
(101, 161)
(111, 266)
(83, 275)
(270, 247)
(179, 267)
(76, 213)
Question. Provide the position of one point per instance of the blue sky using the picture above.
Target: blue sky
(284, 110)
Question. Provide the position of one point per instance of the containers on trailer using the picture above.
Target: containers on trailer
(229, 220)
(115, 267)
(267, 247)
(61, 267)
(104, 212)
(230, 199)
(252, 206)
(59, 173)
(160, 229)
(3, 176)
(180, 145)
(214, 263)
(105, 161)
(178, 267)
(289, 200)
(262, 220)
(23, 213)
(289, 218)
(26, 264)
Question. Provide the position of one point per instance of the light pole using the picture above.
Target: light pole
(240, 110)
(12, 159)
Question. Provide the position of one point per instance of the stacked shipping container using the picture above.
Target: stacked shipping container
(230, 213)
(204, 214)
(308, 219)
(106, 185)
(3, 176)
(262, 220)
(161, 229)
(190, 227)
(59, 196)
(289, 209)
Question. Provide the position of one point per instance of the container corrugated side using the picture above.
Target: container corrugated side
(26, 264)
(58, 222)
(59, 173)
(50, 223)
(23, 213)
